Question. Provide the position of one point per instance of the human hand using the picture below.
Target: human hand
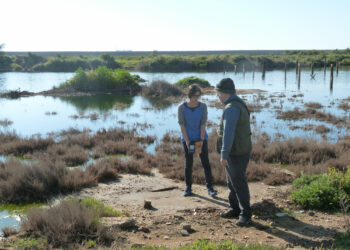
(223, 162)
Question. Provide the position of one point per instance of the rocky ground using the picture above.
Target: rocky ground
(175, 220)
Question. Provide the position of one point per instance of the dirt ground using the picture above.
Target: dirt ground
(162, 225)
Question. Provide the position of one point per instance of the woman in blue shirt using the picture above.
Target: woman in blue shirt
(192, 116)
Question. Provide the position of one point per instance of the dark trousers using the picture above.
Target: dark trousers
(239, 197)
(205, 163)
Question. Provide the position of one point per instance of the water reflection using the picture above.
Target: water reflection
(101, 102)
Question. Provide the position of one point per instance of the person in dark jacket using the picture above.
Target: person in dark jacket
(234, 144)
(192, 118)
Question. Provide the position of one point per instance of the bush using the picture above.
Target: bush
(101, 79)
(322, 191)
(69, 222)
(161, 89)
(192, 80)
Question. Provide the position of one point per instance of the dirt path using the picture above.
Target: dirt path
(163, 224)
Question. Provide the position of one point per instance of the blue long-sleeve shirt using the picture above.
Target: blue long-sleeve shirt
(230, 118)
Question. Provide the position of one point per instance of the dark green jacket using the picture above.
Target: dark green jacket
(242, 134)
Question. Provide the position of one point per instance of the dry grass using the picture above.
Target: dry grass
(310, 113)
(161, 89)
(8, 231)
(313, 105)
(297, 154)
(64, 224)
(21, 183)
(321, 129)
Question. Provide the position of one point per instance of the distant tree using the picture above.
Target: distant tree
(110, 61)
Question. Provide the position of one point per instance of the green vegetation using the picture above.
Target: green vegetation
(102, 79)
(26, 243)
(322, 191)
(342, 241)
(99, 208)
(187, 81)
(155, 62)
(18, 209)
(223, 245)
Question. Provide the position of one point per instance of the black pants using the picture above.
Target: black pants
(205, 163)
(239, 197)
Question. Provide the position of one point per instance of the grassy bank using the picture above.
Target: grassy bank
(155, 62)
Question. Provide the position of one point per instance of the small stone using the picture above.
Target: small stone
(245, 237)
(187, 227)
(147, 205)
(144, 229)
(168, 223)
(311, 213)
(225, 234)
(166, 238)
(184, 232)
(269, 237)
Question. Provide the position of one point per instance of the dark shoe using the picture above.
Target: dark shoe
(243, 222)
(230, 214)
(212, 192)
(188, 191)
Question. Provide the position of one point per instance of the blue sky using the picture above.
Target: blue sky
(108, 25)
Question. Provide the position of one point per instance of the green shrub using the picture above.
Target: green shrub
(322, 191)
(99, 208)
(192, 80)
(102, 78)
(342, 241)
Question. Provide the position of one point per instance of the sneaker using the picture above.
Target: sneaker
(212, 192)
(188, 191)
(243, 222)
(230, 214)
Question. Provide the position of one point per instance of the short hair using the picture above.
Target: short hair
(193, 89)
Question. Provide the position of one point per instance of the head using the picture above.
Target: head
(194, 92)
(225, 88)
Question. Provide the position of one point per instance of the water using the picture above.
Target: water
(43, 115)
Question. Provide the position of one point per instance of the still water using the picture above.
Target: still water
(43, 115)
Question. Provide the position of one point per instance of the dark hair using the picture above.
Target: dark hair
(193, 89)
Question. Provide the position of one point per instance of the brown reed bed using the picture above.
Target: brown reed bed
(161, 89)
(296, 155)
(5, 123)
(313, 105)
(310, 113)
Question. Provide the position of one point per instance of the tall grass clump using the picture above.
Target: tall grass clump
(187, 81)
(324, 191)
(69, 222)
(102, 79)
(161, 89)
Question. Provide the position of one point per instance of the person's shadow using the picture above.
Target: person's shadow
(296, 232)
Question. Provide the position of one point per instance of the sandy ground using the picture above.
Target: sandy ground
(162, 225)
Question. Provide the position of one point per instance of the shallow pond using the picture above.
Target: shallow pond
(43, 115)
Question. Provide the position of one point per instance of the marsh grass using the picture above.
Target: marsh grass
(161, 89)
(68, 222)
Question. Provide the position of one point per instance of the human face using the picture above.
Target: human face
(195, 97)
(222, 97)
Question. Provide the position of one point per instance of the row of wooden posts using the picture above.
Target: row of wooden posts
(297, 71)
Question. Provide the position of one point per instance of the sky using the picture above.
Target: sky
(173, 25)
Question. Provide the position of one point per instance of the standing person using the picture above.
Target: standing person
(234, 144)
(192, 117)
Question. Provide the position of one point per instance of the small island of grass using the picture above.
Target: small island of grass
(187, 81)
(103, 79)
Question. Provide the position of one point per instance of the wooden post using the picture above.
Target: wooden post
(299, 71)
(263, 70)
(243, 69)
(312, 68)
(297, 67)
(337, 67)
(324, 66)
(285, 71)
(331, 78)
(253, 71)
(235, 68)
